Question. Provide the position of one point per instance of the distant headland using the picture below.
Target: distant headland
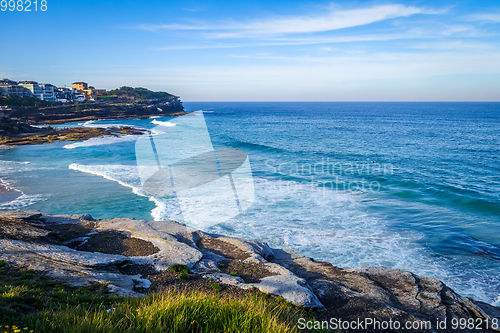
(26, 103)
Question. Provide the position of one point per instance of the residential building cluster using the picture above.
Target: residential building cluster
(79, 91)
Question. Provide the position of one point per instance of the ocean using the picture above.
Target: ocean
(414, 186)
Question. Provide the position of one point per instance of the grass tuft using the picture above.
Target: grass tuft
(216, 287)
(40, 305)
(179, 268)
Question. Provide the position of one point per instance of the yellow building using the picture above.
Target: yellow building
(84, 88)
(89, 93)
(80, 86)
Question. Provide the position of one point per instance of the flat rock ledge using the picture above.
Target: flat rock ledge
(80, 250)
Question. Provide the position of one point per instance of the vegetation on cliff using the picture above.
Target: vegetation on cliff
(34, 303)
(140, 93)
(16, 101)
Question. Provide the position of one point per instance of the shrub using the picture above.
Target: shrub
(233, 273)
(179, 268)
(216, 287)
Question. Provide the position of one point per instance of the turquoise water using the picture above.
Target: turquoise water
(414, 186)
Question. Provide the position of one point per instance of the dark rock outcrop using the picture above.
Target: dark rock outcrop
(12, 128)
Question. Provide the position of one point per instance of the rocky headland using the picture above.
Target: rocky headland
(115, 109)
(18, 115)
(14, 133)
(134, 256)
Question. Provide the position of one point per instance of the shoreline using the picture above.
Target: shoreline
(8, 195)
(70, 120)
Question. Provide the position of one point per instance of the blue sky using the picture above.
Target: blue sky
(263, 50)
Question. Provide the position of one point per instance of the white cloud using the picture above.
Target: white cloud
(155, 27)
(456, 45)
(331, 20)
(485, 17)
(331, 78)
(451, 30)
(281, 41)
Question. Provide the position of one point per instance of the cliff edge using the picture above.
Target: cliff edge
(135, 256)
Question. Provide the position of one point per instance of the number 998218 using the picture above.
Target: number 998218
(23, 5)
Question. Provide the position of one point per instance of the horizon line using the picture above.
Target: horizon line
(347, 101)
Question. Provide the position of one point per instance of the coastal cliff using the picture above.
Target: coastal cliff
(134, 257)
(18, 114)
(125, 102)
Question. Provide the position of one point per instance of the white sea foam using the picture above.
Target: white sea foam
(163, 123)
(7, 167)
(155, 132)
(128, 176)
(125, 175)
(23, 201)
(102, 124)
(324, 224)
(102, 140)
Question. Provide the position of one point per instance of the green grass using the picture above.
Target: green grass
(176, 312)
(36, 303)
(24, 293)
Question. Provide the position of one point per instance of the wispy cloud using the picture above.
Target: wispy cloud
(284, 41)
(454, 29)
(156, 27)
(191, 9)
(485, 17)
(329, 21)
(455, 45)
(333, 20)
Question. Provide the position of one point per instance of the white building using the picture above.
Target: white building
(44, 91)
(11, 88)
(33, 87)
(48, 91)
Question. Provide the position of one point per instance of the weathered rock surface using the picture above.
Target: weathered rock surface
(53, 244)
(10, 128)
(33, 135)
